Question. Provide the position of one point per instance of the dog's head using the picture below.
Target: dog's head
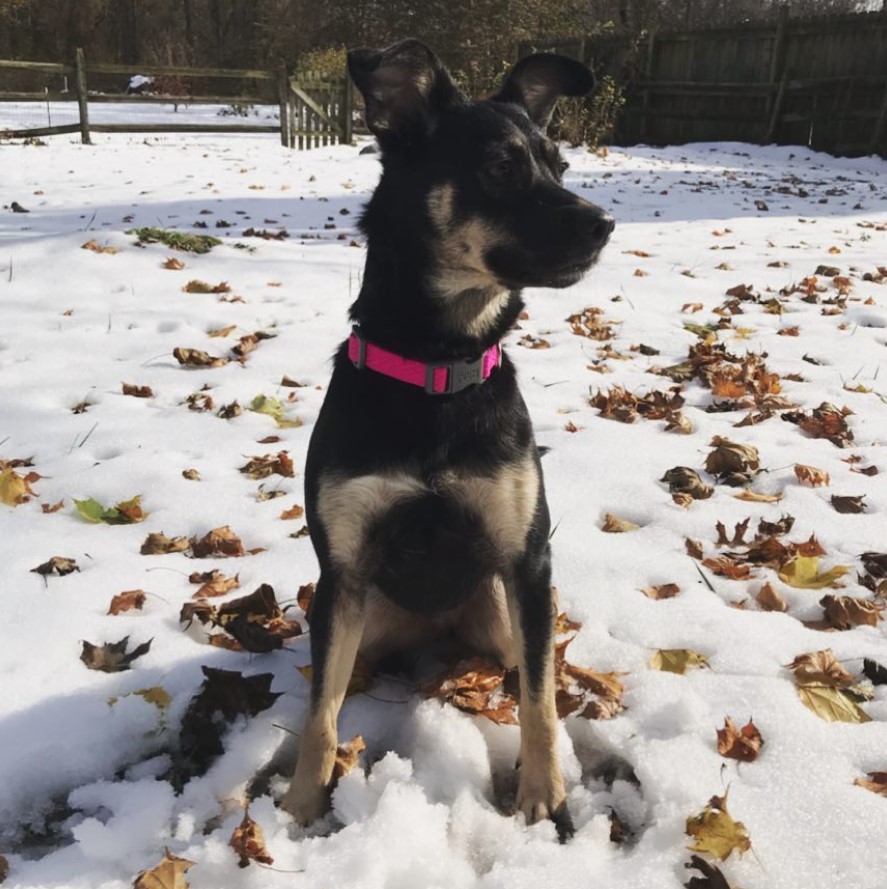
(483, 176)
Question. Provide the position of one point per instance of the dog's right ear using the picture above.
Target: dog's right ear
(405, 88)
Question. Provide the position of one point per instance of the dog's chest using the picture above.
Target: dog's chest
(504, 500)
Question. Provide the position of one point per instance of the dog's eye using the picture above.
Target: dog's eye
(501, 169)
(562, 166)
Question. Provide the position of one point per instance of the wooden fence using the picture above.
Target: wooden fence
(818, 82)
(313, 112)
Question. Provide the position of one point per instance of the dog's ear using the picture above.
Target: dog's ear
(538, 80)
(405, 89)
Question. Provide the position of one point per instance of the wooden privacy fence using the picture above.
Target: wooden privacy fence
(818, 82)
(313, 112)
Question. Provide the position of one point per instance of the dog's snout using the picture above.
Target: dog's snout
(602, 228)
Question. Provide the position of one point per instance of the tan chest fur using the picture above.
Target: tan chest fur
(505, 501)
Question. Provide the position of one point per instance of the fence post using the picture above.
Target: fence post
(880, 123)
(82, 97)
(286, 139)
(777, 75)
(648, 74)
(347, 122)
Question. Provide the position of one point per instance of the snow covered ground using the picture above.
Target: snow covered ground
(83, 802)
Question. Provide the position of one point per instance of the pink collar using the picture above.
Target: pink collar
(435, 377)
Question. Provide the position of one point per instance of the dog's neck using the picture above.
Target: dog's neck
(407, 307)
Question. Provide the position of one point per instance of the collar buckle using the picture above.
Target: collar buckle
(460, 375)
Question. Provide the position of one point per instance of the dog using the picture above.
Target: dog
(423, 486)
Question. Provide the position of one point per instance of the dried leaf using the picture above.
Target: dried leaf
(248, 842)
(220, 542)
(305, 595)
(661, 591)
(127, 601)
(832, 704)
(264, 466)
(159, 544)
(729, 457)
(95, 247)
(711, 878)
(683, 480)
(677, 660)
(874, 672)
(262, 404)
(614, 525)
(197, 358)
(877, 783)
(55, 507)
(743, 744)
(346, 758)
(174, 264)
(750, 496)
(820, 668)
(845, 612)
(294, 512)
(137, 391)
(770, 600)
(715, 831)
(57, 565)
(112, 657)
(847, 504)
(168, 874)
(14, 489)
(810, 475)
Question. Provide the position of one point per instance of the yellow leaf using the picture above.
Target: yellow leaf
(832, 704)
(754, 497)
(715, 831)
(677, 660)
(168, 874)
(221, 331)
(14, 489)
(803, 572)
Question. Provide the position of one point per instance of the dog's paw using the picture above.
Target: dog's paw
(539, 802)
(305, 804)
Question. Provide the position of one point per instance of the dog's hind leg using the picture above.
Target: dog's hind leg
(337, 620)
(541, 792)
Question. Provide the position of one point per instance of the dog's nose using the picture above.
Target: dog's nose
(602, 228)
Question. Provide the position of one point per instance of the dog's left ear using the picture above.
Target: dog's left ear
(405, 88)
(538, 80)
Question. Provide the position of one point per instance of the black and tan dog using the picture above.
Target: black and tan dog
(423, 487)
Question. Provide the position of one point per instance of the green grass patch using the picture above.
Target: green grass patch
(176, 240)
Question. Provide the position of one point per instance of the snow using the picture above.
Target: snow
(82, 798)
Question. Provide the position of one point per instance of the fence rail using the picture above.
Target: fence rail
(314, 110)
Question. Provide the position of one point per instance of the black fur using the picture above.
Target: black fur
(501, 172)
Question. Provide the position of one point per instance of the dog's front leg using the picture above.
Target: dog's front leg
(540, 791)
(337, 619)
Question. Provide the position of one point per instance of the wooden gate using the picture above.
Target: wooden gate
(319, 111)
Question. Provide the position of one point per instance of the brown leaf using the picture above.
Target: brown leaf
(810, 475)
(168, 874)
(197, 358)
(691, 308)
(292, 384)
(877, 783)
(262, 467)
(95, 247)
(112, 657)
(221, 542)
(294, 512)
(475, 686)
(200, 610)
(57, 565)
(127, 601)
(845, 612)
(743, 744)
(683, 480)
(661, 591)
(724, 566)
(754, 497)
(191, 474)
(847, 504)
(729, 457)
(614, 525)
(214, 583)
(248, 842)
(305, 595)
(55, 507)
(346, 758)
(770, 600)
(820, 668)
(197, 286)
(590, 323)
(174, 264)
(712, 877)
(14, 489)
(693, 547)
(159, 544)
(138, 391)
